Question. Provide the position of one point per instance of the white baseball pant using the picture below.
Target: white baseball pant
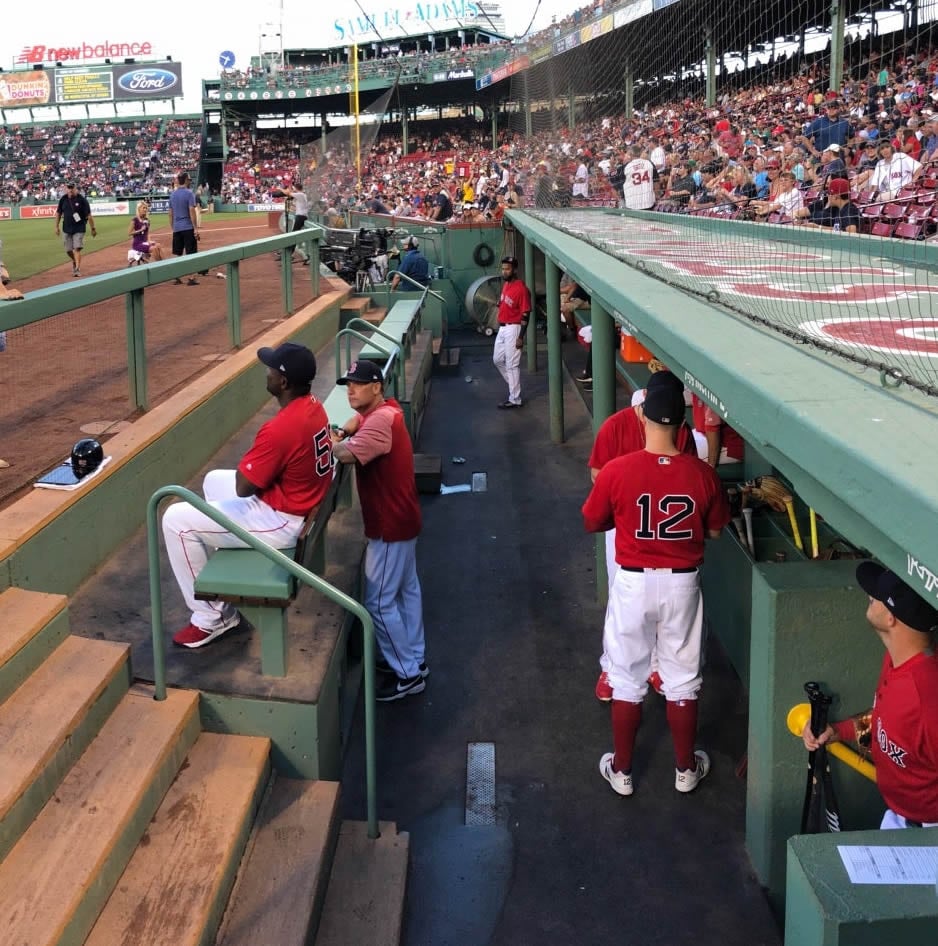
(189, 535)
(649, 608)
(507, 358)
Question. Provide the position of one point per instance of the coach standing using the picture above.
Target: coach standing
(72, 217)
(376, 440)
(901, 730)
(514, 309)
(663, 504)
(182, 215)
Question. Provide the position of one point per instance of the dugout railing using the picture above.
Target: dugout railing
(132, 283)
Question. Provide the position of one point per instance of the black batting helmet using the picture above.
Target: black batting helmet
(87, 455)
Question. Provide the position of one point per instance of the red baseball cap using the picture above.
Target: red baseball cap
(838, 186)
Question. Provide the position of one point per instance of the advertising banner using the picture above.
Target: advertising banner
(258, 208)
(105, 208)
(6, 213)
(632, 12)
(22, 89)
(37, 212)
(74, 84)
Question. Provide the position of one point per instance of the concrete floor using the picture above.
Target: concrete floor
(514, 636)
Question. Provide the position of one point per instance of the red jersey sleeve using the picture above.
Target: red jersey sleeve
(266, 458)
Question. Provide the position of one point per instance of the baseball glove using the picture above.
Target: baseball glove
(656, 365)
(770, 490)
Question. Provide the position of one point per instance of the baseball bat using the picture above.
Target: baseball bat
(812, 516)
(747, 515)
(795, 533)
(819, 777)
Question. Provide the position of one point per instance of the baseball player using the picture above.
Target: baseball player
(663, 504)
(638, 189)
(283, 476)
(901, 730)
(376, 440)
(514, 309)
(620, 434)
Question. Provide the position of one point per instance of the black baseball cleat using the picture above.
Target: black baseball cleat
(393, 688)
(508, 405)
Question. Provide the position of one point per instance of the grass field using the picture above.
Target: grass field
(31, 246)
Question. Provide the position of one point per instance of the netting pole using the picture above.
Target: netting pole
(838, 24)
(628, 83)
(531, 340)
(571, 108)
(711, 67)
(405, 125)
(554, 360)
(527, 107)
(494, 121)
(553, 100)
(603, 362)
(136, 349)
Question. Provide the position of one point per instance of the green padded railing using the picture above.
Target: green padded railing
(301, 574)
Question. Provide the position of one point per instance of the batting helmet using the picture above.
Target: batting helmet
(87, 455)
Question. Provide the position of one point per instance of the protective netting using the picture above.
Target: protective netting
(793, 129)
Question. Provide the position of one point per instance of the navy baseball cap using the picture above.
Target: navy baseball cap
(295, 362)
(665, 379)
(664, 404)
(362, 372)
(905, 604)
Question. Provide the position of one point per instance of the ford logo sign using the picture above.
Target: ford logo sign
(147, 81)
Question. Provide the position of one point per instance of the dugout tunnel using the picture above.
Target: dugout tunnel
(858, 452)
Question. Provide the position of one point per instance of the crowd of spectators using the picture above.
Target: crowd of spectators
(410, 65)
(103, 158)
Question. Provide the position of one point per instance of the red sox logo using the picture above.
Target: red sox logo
(893, 752)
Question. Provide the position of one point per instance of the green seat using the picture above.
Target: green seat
(248, 575)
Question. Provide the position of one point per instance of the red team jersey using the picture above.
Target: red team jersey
(623, 433)
(905, 737)
(290, 461)
(386, 485)
(705, 418)
(661, 506)
(514, 302)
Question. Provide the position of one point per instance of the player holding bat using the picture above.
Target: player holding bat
(820, 812)
(901, 730)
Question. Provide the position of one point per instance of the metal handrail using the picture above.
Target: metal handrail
(424, 289)
(400, 378)
(797, 719)
(301, 574)
(394, 355)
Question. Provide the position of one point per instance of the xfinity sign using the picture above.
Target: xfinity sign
(80, 51)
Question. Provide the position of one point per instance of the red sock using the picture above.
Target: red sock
(682, 719)
(626, 718)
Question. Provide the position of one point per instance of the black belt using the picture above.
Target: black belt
(509, 323)
(674, 571)
(912, 824)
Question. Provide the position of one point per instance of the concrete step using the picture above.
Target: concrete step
(32, 625)
(375, 315)
(281, 887)
(365, 901)
(356, 305)
(50, 720)
(58, 876)
(447, 362)
(177, 883)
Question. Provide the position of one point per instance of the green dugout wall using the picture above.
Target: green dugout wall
(861, 455)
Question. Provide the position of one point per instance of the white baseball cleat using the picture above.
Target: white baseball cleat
(620, 782)
(688, 780)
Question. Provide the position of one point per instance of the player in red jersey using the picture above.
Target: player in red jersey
(620, 434)
(663, 504)
(514, 309)
(724, 445)
(901, 731)
(279, 480)
(376, 439)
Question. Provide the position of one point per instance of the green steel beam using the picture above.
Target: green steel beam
(838, 24)
(860, 455)
(531, 339)
(136, 349)
(554, 359)
(233, 299)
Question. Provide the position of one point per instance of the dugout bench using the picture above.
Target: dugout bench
(263, 591)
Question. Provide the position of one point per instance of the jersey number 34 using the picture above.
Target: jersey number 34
(676, 509)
